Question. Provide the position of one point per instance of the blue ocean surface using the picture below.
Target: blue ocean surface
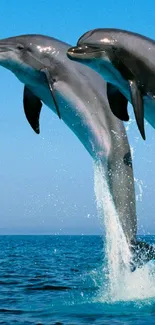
(63, 280)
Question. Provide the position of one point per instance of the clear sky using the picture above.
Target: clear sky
(46, 181)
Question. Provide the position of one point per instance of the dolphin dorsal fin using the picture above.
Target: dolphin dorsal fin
(118, 103)
(32, 109)
(138, 106)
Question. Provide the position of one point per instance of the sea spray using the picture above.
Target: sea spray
(117, 250)
(121, 283)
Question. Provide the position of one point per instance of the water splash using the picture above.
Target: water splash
(120, 282)
(138, 182)
(140, 185)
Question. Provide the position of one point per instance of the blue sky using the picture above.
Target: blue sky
(46, 186)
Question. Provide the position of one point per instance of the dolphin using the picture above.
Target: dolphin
(126, 61)
(77, 95)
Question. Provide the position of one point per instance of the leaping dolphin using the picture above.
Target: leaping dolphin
(126, 61)
(78, 96)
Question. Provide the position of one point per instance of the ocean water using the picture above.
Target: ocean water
(65, 280)
(76, 279)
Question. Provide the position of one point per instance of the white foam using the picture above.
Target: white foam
(121, 284)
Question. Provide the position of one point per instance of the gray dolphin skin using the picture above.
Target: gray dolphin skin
(126, 61)
(77, 95)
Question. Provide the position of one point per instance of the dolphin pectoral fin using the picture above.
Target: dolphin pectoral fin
(138, 106)
(118, 103)
(32, 109)
(50, 81)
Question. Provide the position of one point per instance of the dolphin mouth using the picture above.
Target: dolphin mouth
(83, 52)
(5, 47)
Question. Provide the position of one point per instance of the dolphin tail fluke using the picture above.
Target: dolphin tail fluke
(142, 253)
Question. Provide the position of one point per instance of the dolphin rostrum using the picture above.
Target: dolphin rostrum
(77, 95)
(126, 60)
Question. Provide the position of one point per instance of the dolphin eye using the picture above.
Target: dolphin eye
(20, 47)
(114, 49)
